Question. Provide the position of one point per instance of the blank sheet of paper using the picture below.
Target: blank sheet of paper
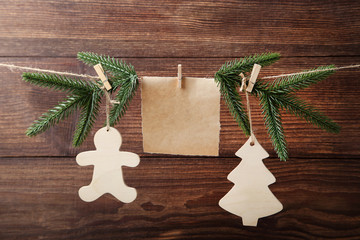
(183, 120)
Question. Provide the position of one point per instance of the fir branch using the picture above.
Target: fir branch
(233, 101)
(123, 77)
(301, 81)
(228, 79)
(87, 118)
(54, 115)
(303, 110)
(119, 69)
(273, 123)
(58, 82)
(273, 97)
(124, 96)
(243, 65)
(287, 101)
(86, 95)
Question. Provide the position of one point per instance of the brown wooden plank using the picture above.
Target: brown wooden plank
(338, 97)
(179, 28)
(177, 199)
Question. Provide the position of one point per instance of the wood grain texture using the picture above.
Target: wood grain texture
(178, 196)
(177, 199)
(179, 28)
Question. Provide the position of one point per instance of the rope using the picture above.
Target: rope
(11, 66)
(243, 86)
(107, 106)
(311, 71)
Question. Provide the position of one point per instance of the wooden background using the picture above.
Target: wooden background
(178, 195)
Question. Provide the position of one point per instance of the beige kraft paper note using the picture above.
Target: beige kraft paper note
(180, 120)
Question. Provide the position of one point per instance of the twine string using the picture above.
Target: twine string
(109, 102)
(107, 108)
(243, 86)
(11, 67)
(311, 71)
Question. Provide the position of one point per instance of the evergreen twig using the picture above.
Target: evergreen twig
(120, 71)
(124, 96)
(87, 118)
(228, 79)
(56, 114)
(85, 95)
(123, 77)
(303, 110)
(275, 96)
(80, 92)
(301, 81)
(58, 82)
(273, 123)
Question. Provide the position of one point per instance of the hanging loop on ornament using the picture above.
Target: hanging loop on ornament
(252, 143)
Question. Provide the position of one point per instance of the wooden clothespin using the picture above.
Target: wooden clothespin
(179, 76)
(254, 74)
(100, 71)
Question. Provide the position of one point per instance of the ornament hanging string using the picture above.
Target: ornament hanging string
(243, 86)
(107, 107)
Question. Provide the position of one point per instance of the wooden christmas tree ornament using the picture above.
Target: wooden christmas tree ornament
(250, 198)
(107, 161)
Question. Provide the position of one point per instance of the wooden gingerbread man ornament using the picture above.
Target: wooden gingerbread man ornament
(107, 161)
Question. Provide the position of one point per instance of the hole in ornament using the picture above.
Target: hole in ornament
(252, 143)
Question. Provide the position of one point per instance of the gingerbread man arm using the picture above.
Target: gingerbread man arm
(86, 158)
(130, 159)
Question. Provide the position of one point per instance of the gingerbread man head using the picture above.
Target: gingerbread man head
(107, 140)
